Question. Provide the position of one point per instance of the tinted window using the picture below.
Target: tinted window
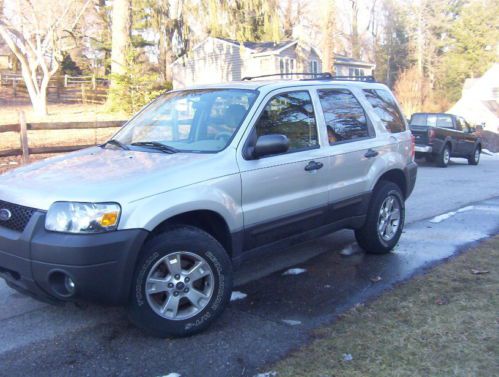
(386, 108)
(432, 120)
(290, 114)
(345, 117)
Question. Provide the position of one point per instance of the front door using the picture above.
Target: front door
(286, 194)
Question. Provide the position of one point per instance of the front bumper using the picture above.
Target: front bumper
(100, 265)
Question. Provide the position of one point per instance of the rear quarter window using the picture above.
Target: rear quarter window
(386, 108)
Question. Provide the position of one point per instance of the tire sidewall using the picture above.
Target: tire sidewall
(212, 252)
(398, 195)
(441, 158)
(472, 160)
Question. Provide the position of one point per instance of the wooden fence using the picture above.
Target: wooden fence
(22, 128)
(66, 89)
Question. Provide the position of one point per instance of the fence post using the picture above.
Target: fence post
(65, 81)
(23, 133)
(94, 82)
(14, 87)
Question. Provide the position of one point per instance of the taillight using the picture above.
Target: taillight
(431, 133)
(413, 147)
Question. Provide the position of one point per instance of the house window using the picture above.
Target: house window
(314, 66)
(286, 66)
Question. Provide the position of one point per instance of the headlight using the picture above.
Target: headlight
(74, 217)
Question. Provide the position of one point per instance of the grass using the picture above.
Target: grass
(443, 323)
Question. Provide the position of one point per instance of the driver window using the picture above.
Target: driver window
(290, 114)
(226, 115)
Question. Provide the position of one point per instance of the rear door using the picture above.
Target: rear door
(281, 196)
(351, 148)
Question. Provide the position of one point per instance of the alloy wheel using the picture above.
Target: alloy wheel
(179, 285)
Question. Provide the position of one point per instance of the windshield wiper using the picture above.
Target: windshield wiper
(116, 143)
(156, 145)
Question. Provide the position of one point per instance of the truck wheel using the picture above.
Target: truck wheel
(385, 220)
(442, 160)
(474, 159)
(182, 283)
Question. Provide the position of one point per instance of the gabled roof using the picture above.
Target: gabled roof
(259, 47)
(346, 60)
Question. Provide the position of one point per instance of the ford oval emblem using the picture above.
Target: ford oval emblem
(5, 214)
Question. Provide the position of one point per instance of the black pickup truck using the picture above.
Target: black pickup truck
(440, 136)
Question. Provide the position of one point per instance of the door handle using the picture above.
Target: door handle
(371, 153)
(313, 165)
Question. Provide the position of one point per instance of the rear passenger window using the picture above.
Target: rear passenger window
(384, 105)
(345, 117)
(290, 114)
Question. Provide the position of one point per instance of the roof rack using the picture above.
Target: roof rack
(317, 76)
(325, 76)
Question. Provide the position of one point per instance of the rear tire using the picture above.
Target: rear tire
(384, 222)
(474, 159)
(442, 160)
(182, 283)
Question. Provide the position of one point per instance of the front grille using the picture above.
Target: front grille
(20, 216)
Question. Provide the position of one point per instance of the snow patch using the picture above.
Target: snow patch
(236, 295)
(445, 216)
(349, 250)
(291, 322)
(294, 271)
(347, 357)
(464, 209)
(440, 218)
(266, 374)
(173, 375)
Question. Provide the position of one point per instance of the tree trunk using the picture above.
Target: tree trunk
(355, 30)
(329, 30)
(122, 20)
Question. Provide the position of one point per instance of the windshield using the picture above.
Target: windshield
(189, 121)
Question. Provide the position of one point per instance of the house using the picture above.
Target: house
(479, 103)
(5, 57)
(220, 60)
(346, 66)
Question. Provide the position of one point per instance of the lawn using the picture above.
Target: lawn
(443, 323)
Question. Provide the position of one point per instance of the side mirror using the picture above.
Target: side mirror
(270, 144)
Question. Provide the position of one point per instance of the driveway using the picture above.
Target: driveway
(449, 209)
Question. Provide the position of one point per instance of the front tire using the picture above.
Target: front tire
(474, 159)
(182, 283)
(385, 220)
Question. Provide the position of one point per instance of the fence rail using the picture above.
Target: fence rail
(23, 127)
(67, 89)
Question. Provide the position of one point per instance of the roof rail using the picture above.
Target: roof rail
(323, 76)
(316, 76)
(354, 78)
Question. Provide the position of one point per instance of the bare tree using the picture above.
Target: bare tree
(38, 33)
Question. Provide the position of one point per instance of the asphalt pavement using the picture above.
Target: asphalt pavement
(283, 296)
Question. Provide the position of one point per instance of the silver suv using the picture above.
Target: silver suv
(159, 216)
